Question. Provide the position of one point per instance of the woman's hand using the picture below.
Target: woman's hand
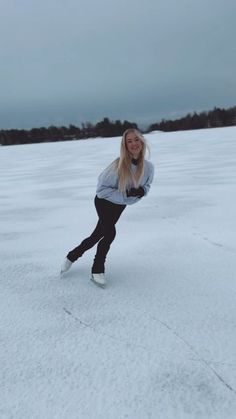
(136, 192)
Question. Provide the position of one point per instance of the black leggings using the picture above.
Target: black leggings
(104, 234)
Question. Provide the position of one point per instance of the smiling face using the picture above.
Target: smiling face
(133, 144)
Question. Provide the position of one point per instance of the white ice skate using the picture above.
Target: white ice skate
(99, 279)
(65, 266)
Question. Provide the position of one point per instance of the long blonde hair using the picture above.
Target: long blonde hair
(123, 163)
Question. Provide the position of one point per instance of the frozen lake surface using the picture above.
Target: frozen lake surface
(160, 340)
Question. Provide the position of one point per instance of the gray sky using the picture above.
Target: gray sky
(68, 61)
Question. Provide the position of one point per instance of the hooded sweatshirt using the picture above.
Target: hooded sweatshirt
(107, 187)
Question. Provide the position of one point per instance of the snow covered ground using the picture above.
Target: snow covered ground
(160, 341)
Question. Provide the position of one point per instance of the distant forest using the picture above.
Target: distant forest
(215, 118)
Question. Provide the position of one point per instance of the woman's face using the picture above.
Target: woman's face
(133, 144)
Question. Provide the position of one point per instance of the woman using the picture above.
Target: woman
(124, 182)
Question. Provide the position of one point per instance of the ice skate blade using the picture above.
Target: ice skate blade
(65, 267)
(96, 283)
(63, 273)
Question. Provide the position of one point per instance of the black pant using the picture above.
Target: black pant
(103, 234)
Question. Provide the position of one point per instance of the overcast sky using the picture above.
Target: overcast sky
(69, 61)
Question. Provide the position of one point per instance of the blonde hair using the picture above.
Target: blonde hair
(123, 163)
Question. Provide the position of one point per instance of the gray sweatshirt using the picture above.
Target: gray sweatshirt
(107, 187)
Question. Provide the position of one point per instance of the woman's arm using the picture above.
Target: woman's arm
(150, 175)
(107, 186)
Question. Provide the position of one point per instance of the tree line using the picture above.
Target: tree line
(215, 118)
(212, 119)
(104, 128)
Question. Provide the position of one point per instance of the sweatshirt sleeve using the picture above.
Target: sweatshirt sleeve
(149, 180)
(107, 187)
